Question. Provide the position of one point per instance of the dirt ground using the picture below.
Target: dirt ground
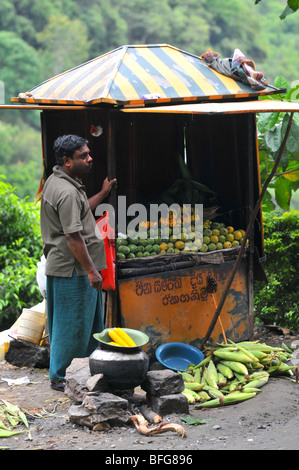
(269, 421)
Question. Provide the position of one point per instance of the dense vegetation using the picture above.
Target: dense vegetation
(20, 249)
(276, 302)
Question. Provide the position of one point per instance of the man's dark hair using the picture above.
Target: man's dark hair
(66, 145)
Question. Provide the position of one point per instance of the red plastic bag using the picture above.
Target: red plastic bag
(107, 233)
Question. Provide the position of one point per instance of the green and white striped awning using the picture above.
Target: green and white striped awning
(139, 75)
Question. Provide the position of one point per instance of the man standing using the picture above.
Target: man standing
(75, 256)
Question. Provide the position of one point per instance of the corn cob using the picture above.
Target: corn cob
(125, 337)
(193, 386)
(246, 352)
(250, 389)
(233, 385)
(238, 367)
(189, 397)
(197, 376)
(259, 346)
(257, 383)
(204, 396)
(212, 375)
(230, 399)
(114, 344)
(259, 354)
(242, 378)
(225, 370)
(204, 378)
(116, 338)
(187, 377)
(237, 356)
(221, 379)
(213, 392)
(258, 374)
(281, 369)
(192, 393)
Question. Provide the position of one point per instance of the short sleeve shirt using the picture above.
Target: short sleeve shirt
(65, 209)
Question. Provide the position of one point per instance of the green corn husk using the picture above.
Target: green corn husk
(10, 432)
(203, 362)
(193, 386)
(235, 366)
(225, 370)
(257, 383)
(192, 393)
(236, 356)
(187, 377)
(259, 346)
(213, 392)
(10, 417)
(204, 396)
(197, 375)
(231, 399)
(221, 379)
(212, 375)
(286, 348)
(189, 397)
(246, 352)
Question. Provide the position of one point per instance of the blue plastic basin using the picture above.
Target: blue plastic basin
(178, 356)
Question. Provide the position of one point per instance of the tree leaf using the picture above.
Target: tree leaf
(281, 82)
(266, 121)
(273, 138)
(287, 11)
(190, 420)
(283, 193)
(293, 4)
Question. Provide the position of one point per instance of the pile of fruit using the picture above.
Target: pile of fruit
(231, 373)
(174, 238)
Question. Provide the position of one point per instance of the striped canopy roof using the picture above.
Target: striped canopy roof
(136, 75)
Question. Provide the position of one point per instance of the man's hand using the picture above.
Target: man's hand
(107, 186)
(95, 280)
(98, 198)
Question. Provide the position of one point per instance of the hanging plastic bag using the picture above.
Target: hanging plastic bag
(107, 233)
(41, 277)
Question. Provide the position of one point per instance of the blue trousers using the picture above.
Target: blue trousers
(75, 313)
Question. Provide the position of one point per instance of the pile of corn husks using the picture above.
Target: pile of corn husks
(235, 372)
(12, 418)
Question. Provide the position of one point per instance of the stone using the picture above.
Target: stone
(101, 408)
(97, 383)
(25, 354)
(163, 382)
(168, 404)
(76, 376)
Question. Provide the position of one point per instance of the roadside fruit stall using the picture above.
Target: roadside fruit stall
(172, 130)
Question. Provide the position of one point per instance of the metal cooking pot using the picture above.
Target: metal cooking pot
(121, 370)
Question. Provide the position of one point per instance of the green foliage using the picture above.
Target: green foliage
(277, 301)
(291, 7)
(21, 157)
(20, 64)
(271, 131)
(20, 250)
(69, 37)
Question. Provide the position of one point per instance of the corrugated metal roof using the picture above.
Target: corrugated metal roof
(136, 75)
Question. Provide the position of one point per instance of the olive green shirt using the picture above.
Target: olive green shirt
(65, 209)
